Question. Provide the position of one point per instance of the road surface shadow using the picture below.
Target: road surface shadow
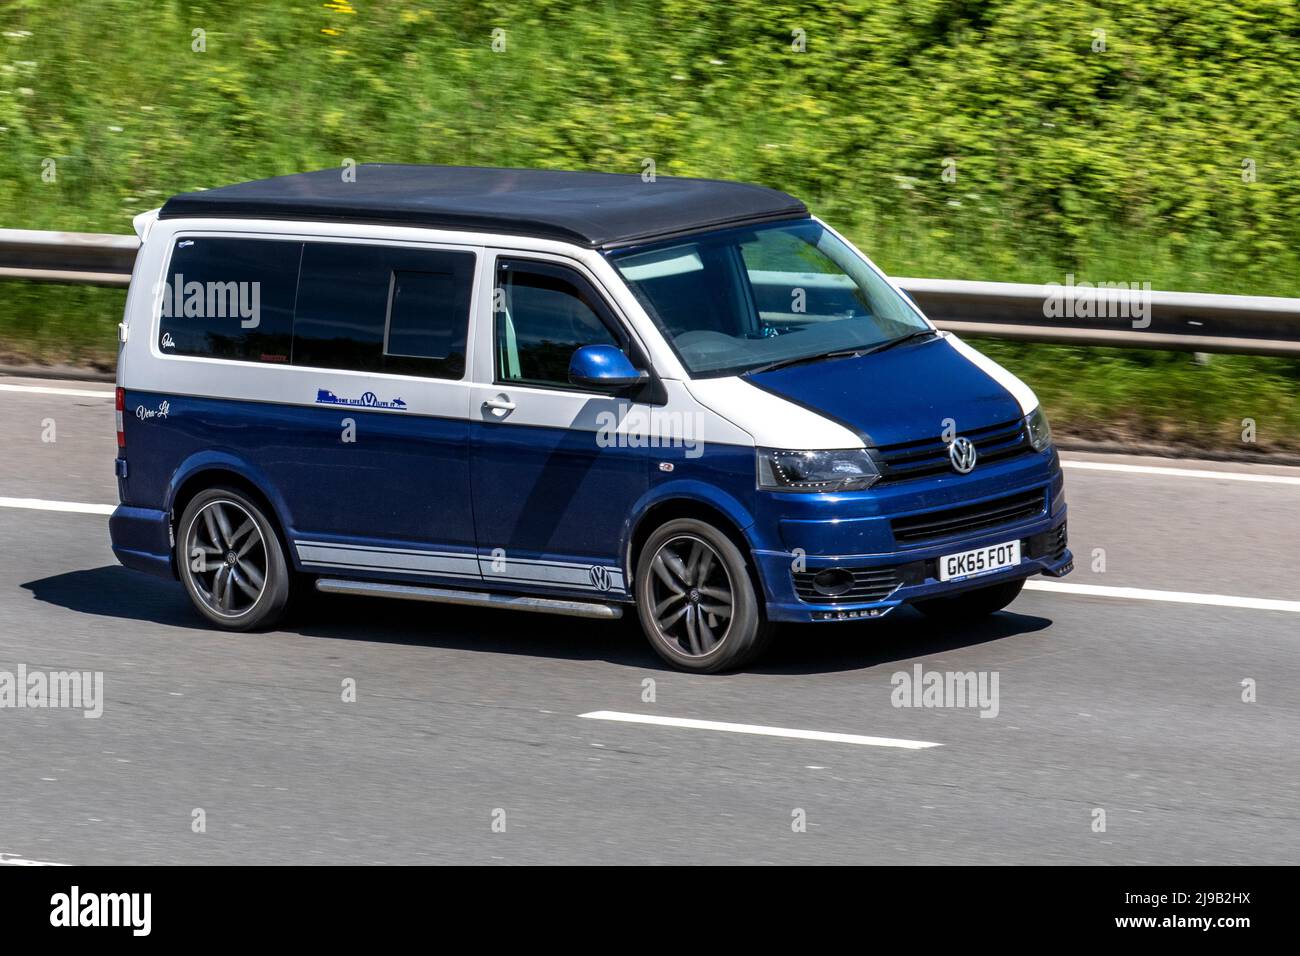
(116, 592)
(904, 634)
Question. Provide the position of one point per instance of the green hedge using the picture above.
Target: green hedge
(1066, 159)
(1117, 165)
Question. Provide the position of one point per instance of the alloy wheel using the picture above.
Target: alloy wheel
(226, 557)
(693, 599)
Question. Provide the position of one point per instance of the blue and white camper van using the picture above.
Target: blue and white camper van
(568, 392)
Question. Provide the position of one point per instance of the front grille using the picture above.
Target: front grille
(968, 519)
(929, 456)
(869, 584)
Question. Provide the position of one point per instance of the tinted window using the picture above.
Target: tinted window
(230, 298)
(424, 320)
(383, 309)
(544, 314)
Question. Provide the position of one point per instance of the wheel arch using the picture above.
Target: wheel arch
(215, 473)
(685, 505)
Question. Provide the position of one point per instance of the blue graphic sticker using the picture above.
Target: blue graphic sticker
(368, 400)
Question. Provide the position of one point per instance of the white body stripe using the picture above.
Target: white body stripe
(770, 420)
(724, 411)
(145, 367)
(683, 421)
(1021, 392)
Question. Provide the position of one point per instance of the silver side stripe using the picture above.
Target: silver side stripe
(582, 577)
(585, 577)
(401, 560)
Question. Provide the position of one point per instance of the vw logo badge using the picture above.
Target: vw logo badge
(962, 455)
(599, 578)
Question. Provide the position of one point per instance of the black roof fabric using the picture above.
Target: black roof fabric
(591, 209)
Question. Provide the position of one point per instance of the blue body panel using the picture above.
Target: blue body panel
(858, 522)
(141, 539)
(403, 482)
(551, 503)
(551, 491)
(899, 395)
(854, 530)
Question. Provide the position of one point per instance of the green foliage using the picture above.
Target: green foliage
(1062, 152)
(1162, 398)
(1117, 165)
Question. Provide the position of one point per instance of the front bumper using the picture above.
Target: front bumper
(890, 541)
(917, 576)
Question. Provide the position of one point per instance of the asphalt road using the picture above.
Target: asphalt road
(1106, 702)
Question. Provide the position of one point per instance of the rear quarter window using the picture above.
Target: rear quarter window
(230, 298)
(368, 308)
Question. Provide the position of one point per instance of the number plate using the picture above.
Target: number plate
(968, 564)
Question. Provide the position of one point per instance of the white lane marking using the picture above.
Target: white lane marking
(760, 730)
(12, 859)
(1179, 472)
(1175, 597)
(41, 504)
(50, 390)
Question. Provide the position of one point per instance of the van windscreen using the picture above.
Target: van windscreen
(738, 299)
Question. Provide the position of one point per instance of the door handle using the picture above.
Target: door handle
(501, 406)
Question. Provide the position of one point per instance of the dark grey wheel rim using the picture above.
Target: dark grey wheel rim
(692, 599)
(226, 557)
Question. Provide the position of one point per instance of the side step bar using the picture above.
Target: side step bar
(411, 592)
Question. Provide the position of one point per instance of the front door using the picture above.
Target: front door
(553, 485)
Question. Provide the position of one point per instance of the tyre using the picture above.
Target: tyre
(696, 599)
(230, 560)
(970, 605)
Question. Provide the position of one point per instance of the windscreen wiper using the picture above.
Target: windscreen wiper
(884, 346)
(841, 353)
(806, 360)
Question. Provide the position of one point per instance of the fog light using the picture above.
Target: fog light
(833, 582)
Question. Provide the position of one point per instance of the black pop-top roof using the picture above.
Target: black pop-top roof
(591, 209)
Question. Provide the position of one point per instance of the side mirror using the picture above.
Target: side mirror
(604, 367)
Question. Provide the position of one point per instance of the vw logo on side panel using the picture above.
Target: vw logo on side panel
(599, 578)
(962, 454)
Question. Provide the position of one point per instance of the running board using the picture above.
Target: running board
(511, 602)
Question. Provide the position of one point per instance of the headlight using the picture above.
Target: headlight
(848, 469)
(1040, 433)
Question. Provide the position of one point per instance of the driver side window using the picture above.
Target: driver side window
(545, 313)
